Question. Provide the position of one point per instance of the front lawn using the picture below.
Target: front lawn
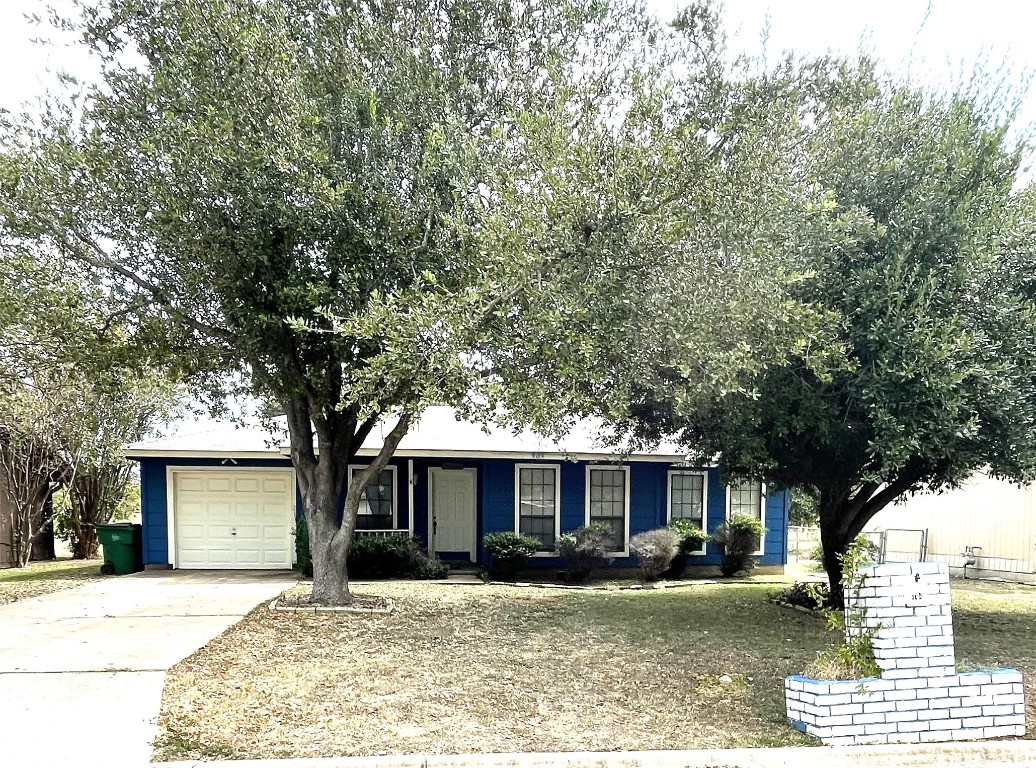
(45, 577)
(460, 669)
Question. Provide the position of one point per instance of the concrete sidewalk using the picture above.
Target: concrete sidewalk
(986, 753)
(81, 671)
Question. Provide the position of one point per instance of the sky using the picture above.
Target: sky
(933, 41)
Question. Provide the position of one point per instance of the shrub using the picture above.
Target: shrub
(691, 536)
(381, 557)
(584, 551)
(303, 558)
(814, 595)
(508, 553)
(691, 539)
(427, 567)
(739, 537)
(655, 550)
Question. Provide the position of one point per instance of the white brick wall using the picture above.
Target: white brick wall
(919, 696)
(964, 706)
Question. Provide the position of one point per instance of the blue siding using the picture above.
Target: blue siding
(154, 504)
(495, 502)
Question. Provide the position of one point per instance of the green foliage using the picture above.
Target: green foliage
(863, 542)
(585, 551)
(655, 551)
(508, 552)
(805, 594)
(358, 211)
(393, 556)
(917, 254)
(303, 558)
(740, 537)
(692, 540)
(805, 506)
(854, 657)
(692, 537)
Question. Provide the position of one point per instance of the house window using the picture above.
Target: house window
(747, 497)
(377, 510)
(538, 502)
(687, 494)
(608, 502)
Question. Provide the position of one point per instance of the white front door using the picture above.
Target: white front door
(235, 518)
(452, 510)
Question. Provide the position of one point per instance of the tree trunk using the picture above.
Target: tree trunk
(85, 507)
(85, 546)
(42, 547)
(323, 476)
(834, 536)
(328, 547)
(845, 508)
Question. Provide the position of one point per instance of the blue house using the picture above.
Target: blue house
(224, 497)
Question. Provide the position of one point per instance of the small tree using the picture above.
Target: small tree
(34, 461)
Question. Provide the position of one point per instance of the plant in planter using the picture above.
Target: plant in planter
(655, 550)
(691, 539)
(739, 536)
(508, 553)
(584, 551)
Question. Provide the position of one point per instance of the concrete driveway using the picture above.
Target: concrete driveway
(81, 671)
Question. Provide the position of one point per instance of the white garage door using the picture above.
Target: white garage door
(233, 519)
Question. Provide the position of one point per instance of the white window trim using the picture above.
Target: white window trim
(704, 500)
(557, 500)
(762, 516)
(586, 500)
(395, 492)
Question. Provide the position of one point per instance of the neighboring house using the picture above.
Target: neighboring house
(226, 498)
(995, 518)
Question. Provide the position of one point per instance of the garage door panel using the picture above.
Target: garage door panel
(218, 484)
(276, 485)
(246, 485)
(233, 519)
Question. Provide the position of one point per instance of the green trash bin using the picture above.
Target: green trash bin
(121, 545)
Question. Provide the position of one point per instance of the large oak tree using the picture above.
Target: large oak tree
(364, 206)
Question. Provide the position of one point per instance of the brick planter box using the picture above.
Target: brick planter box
(958, 707)
(920, 696)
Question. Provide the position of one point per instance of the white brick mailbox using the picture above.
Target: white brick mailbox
(920, 696)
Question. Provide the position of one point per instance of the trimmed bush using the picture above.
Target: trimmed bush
(394, 556)
(584, 551)
(508, 553)
(427, 567)
(691, 539)
(380, 557)
(691, 536)
(655, 550)
(739, 536)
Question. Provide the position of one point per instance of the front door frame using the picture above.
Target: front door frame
(433, 472)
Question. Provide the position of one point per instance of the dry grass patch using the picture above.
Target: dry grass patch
(45, 577)
(460, 669)
(494, 669)
(994, 625)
